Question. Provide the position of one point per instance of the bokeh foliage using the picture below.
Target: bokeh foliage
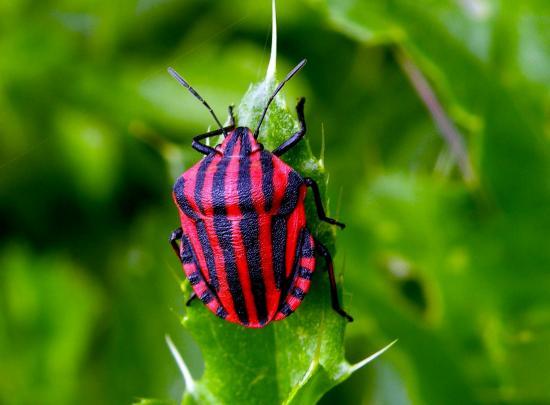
(94, 131)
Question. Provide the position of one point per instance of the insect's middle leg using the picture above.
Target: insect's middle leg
(319, 203)
(205, 149)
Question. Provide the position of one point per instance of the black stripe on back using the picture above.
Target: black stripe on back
(295, 264)
(208, 254)
(290, 198)
(249, 230)
(199, 182)
(201, 231)
(246, 147)
(182, 200)
(266, 160)
(278, 228)
(224, 233)
(278, 246)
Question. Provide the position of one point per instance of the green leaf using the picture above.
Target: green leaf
(476, 79)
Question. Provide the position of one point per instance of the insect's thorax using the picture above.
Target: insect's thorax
(233, 184)
(239, 142)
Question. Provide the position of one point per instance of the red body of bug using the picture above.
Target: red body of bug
(245, 246)
(242, 213)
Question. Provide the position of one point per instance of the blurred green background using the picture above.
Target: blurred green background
(447, 240)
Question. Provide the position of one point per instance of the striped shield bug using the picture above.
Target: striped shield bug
(244, 242)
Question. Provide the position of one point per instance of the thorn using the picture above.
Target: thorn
(189, 382)
(364, 362)
(270, 74)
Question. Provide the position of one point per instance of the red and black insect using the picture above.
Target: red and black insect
(245, 245)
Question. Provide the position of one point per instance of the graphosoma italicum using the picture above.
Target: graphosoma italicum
(245, 245)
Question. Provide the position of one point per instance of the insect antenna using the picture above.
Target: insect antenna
(182, 81)
(279, 87)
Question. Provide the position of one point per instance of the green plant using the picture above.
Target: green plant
(294, 361)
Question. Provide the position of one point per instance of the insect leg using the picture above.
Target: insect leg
(192, 296)
(323, 251)
(174, 237)
(319, 204)
(205, 149)
(231, 117)
(294, 139)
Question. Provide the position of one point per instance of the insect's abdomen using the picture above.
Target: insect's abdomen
(243, 217)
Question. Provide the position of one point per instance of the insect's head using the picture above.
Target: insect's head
(239, 142)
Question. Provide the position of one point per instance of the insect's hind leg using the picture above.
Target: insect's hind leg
(323, 251)
(304, 267)
(294, 139)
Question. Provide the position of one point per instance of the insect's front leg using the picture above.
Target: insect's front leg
(294, 139)
(319, 203)
(205, 149)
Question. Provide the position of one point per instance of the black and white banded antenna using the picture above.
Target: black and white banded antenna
(182, 81)
(279, 87)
